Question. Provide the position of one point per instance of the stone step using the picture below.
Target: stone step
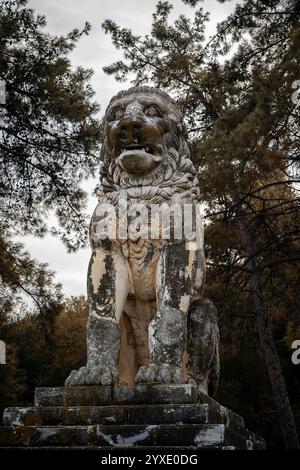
(243, 439)
(153, 415)
(198, 435)
(224, 415)
(112, 414)
(115, 395)
(121, 414)
(204, 436)
(146, 395)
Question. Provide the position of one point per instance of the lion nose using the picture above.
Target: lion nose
(130, 127)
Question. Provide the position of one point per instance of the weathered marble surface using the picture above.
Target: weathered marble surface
(110, 414)
(118, 394)
(148, 321)
(110, 435)
(145, 415)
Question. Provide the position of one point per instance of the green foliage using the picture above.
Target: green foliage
(49, 143)
(49, 133)
(23, 277)
(37, 359)
(12, 380)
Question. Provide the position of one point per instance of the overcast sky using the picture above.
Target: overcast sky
(95, 51)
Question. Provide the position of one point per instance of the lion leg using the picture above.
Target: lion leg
(168, 329)
(202, 345)
(140, 317)
(107, 292)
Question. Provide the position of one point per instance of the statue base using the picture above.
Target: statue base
(149, 416)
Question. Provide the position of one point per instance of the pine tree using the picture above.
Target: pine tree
(24, 279)
(243, 120)
(49, 132)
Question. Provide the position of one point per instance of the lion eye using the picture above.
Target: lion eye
(119, 113)
(151, 111)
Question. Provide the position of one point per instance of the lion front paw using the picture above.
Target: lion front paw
(163, 373)
(93, 375)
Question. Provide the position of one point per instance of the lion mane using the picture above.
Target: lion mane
(175, 175)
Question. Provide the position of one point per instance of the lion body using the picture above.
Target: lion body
(146, 292)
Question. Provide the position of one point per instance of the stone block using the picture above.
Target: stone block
(203, 435)
(119, 394)
(150, 416)
(110, 414)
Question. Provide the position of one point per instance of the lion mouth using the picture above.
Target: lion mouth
(138, 158)
(142, 147)
(139, 149)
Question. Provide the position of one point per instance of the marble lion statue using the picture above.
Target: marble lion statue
(148, 321)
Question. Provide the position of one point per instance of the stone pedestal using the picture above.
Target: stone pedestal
(151, 416)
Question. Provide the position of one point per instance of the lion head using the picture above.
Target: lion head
(144, 150)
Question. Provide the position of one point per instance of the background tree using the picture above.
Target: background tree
(236, 92)
(49, 143)
(49, 132)
(31, 362)
(23, 278)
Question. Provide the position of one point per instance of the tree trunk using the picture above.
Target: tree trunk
(280, 394)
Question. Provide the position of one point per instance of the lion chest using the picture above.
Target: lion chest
(142, 256)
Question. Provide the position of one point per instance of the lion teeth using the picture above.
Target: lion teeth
(141, 149)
